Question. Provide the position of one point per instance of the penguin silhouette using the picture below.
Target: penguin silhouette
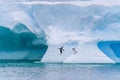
(74, 50)
(61, 50)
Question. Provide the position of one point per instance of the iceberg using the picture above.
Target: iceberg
(35, 31)
(111, 49)
(74, 26)
(17, 44)
(20, 37)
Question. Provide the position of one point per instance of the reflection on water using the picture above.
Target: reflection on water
(59, 71)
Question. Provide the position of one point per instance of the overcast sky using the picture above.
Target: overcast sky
(75, 2)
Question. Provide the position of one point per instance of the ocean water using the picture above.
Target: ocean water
(59, 71)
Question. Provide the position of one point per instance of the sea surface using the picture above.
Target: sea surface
(58, 71)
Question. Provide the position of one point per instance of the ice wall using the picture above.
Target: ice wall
(79, 27)
(20, 36)
(69, 25)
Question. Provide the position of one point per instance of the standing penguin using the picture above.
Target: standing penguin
(74, 50)
(61, 50)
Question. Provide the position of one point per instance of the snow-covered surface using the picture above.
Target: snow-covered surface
(86, 53)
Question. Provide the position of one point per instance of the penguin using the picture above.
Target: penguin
(61, 50)
(74, 50)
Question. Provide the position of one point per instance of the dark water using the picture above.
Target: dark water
(59, 71)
